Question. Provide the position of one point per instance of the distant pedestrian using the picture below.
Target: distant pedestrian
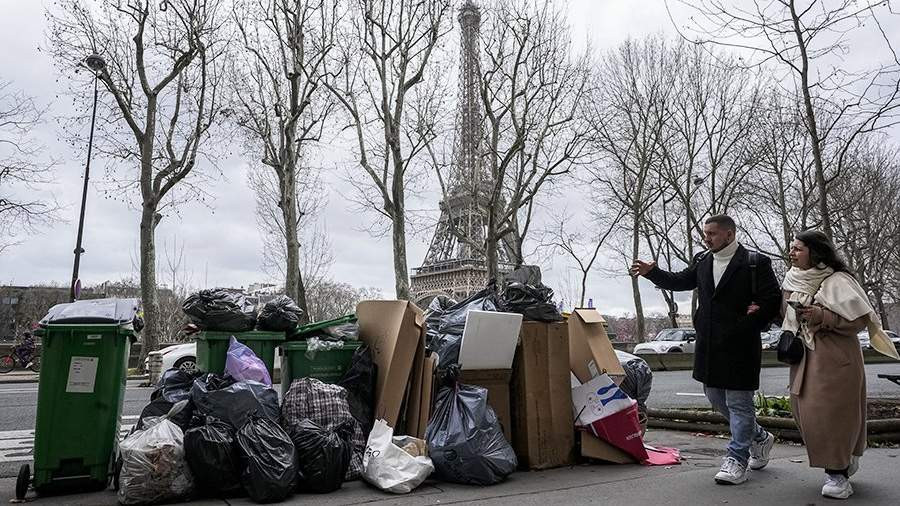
(828, 386)
(738, 296)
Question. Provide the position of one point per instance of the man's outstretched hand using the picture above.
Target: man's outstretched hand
(641, 268)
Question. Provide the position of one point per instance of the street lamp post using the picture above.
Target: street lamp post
(96, 64)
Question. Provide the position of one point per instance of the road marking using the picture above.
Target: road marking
(690, 394)
(18, 445)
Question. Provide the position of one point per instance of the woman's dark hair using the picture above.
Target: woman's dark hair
(821, 250)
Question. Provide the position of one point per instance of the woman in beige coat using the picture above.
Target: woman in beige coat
(828, 386)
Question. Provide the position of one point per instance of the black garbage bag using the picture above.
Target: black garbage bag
(445, 331)
(465, 440)
(212, 455)
(175, 385)
(326, 405)
(280, 315)
(220, 309)
(524, 293)
(323, 455)
(359, 381)
(161, 407)
(268, 460)
(222, 398)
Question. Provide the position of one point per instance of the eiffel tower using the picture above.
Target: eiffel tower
(452, 266)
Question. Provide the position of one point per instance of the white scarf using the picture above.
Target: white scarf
(803, 284)
(842, 295)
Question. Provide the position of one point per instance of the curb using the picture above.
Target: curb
(878, 431)
(18, 381)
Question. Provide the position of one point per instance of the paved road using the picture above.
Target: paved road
(678, 389)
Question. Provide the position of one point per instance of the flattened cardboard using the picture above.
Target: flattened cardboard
(542, 414)
(496, 381)
(489, 340)
(596, 448)
(414, 402)
(590, 352)
(427, 393)
(393, 330)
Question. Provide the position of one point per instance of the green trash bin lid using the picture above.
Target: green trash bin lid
(303, 330)
(251, 335)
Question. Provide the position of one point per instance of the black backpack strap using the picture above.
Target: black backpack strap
(753, 261)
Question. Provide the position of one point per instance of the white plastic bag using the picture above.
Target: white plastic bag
(391, 468)
(153, 465)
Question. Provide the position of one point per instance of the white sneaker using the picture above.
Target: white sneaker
(837, 486)
(759, 452)
(854, 465)
(732, 472)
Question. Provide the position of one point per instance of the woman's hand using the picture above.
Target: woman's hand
(812, 314)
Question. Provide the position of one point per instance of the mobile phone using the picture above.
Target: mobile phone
(798, 306)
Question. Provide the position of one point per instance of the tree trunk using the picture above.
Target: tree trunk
(401, 271)
(293, 282)
(490, 248)
(640, 331)
(811, 125)
(149, 301)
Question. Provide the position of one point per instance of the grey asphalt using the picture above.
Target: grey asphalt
(676, 389)
(787, 480)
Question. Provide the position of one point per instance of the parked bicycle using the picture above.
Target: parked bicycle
(23, 355)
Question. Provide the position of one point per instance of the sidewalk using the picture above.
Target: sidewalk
(787, 480)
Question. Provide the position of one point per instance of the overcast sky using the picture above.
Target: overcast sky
(221, 243)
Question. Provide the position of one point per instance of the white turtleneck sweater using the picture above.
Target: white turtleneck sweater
(721, 259)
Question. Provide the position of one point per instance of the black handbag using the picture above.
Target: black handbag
(790, 348)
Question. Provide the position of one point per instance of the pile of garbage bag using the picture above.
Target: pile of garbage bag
(446, 320)
(324, 454)
(280, 315)
(522, 292)
(465, 439)
(223, 398)
(153, 465)
(220, 309)
(325, 405)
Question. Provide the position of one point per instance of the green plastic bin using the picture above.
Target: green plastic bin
(80, 393)
(212, 348)
(328, 366)
(303, 331)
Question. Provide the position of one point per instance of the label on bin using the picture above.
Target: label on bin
(82, 375)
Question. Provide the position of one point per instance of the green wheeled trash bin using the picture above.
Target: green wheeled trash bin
(328, 366)
(80, 394)
(212, 348)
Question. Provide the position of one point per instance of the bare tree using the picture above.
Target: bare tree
(163, 71)
(22, 167)
(632, 84)
(283, 104)
(385, 56)
(579, 245)
(801, 38)
(330, 299)
(532, 86)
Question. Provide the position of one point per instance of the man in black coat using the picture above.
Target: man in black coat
(738, 296)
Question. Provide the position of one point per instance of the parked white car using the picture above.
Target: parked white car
(182, 356)
(669, 341)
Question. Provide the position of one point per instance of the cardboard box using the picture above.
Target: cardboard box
(541, 397)
(590, 352)
(395, 331)
(595, 448)
(496, 381)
